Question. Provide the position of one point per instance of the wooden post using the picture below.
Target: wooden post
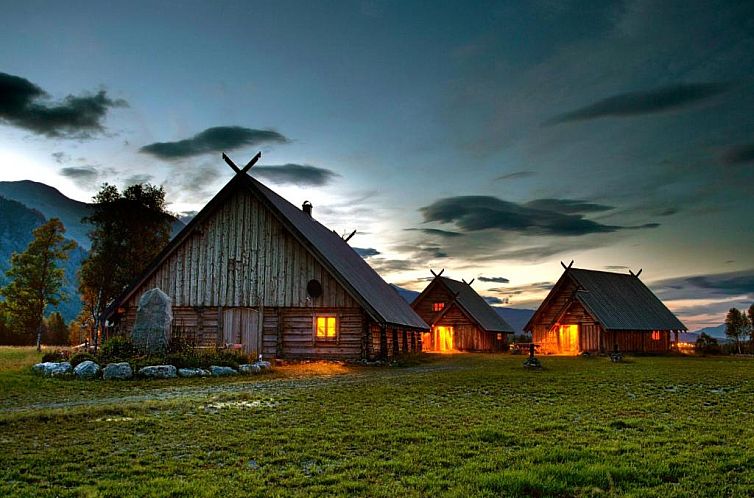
(413, 341)
(219, 334)
(279, 331)
(396, 351)
(405, 341)
(383, 342)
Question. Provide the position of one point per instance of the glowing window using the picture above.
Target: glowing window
(655, 335)
(500, 337)
(325, 328)
(438, 306)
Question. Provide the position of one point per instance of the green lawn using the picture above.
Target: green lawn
(455, 425)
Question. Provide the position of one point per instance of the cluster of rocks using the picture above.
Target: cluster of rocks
(122, 371)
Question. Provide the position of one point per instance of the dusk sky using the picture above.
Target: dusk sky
(492, 139)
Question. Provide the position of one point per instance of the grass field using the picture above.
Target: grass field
(456, 425)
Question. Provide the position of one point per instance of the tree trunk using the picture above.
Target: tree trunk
(39, 338)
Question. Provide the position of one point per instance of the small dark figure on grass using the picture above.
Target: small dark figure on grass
(531, 361)
(616, 356)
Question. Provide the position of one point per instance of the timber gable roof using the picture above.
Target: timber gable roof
(381, 302)
(616, 301)
(471, 304)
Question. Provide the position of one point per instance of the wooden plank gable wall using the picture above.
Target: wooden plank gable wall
(592, 337)
(467, 336)
(241, 256)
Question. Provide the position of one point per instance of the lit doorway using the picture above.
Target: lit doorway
(443, 339)
(568, 339)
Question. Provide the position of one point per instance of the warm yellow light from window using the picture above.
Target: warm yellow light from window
(325, 327)
(655, 335)
(438, 306)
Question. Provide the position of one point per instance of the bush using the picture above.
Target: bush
(117, 348)
(81, 358)
(183, 360)
(55, 356)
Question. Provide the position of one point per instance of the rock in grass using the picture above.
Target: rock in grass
(193, 372)
(117, 371)
(87, 370)
(53, 369)
(264, 365)
(158, 372)
(249, 368)
(222, 371)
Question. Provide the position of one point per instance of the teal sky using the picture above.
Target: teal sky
(520, 133)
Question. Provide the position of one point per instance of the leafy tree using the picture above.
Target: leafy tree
(735, 326)
(36, 278)
(707, 344)
(750, 316)
(57, 331)
(130, 229)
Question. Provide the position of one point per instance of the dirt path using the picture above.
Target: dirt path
(260, 386)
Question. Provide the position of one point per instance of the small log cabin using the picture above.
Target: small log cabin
(254, 271)
(596, 311)
(459, 318)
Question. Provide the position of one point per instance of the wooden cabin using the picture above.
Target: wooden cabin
(596, 311)
(459, 319)
(254, 271)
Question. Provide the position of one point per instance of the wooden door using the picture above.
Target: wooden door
(242, 326)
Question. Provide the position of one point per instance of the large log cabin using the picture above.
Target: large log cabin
(459, 318)
(254, 271)
(597, 311)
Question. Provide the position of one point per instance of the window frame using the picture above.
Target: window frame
(438, 306)
(656, 335)
(326, 340)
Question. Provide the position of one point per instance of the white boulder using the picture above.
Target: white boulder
(87, 370)
(118, 371)
(222, 371)
(158, 372)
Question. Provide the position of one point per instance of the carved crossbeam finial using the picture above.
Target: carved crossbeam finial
(566, 267)
(246, 168)
(436, 274)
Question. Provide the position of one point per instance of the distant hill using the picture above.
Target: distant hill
(16, 225)
(51, 204)
(517, 318)
(24, 205)
(717, 332)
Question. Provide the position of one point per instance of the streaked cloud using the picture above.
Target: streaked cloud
(216, 139)
(295, 174)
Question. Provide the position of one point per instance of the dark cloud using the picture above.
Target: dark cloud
(475, 212)
(61, 157)
(711, 286)
(138, 178)
(651, 101)
(83, 174)
(740, 154)
(499, 280)
(435, 231)
(366, 252)
(295, 174)
(495, 300)
(516, 175)
(24, 105)
(383, 266)
(216, 139)
(568, 206)
(524, 289)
